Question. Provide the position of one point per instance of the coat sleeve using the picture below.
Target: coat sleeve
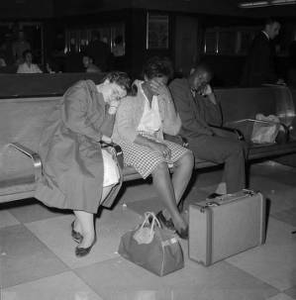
(125, 127)
(76, 117)
(191, 126)
(170, 118)
(212, 112)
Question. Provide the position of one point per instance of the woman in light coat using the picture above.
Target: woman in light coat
(140, 124)
(78, 175)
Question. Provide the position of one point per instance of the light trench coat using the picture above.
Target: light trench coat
(73, 169)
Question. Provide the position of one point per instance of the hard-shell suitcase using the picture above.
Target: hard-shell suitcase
(225, 226)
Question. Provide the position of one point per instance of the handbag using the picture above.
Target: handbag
(152, 247)
(264, 132)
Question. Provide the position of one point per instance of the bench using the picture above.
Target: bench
(22, 120)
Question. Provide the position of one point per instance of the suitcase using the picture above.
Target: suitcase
(226, 225)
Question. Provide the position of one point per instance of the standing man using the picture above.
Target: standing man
(260, 66)
(198, 107)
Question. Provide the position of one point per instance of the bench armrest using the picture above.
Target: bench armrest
(235, 131)
(33, 155)
(115, 150)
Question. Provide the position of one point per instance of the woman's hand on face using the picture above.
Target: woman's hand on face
(162, 148)
(159, 88)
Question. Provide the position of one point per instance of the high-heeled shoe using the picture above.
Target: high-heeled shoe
(76, 236)
(166, 223)
(81, 252)
(183, 233)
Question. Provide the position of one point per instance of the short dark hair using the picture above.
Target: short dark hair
(120, 78)
(26, 52)
(203, 66)
(271, 20)
(158, 67)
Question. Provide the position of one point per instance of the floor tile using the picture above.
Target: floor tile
(24, 258)
(7, 219)
(291, 292)
(55, 233)
(279, 195)
(280, 296)
(135, 191)
(275, 261)
(154, 204)
(124, 280)
(65, 286)
(33, 210)
(271, 170)
(286, 215)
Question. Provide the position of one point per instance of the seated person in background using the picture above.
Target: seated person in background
(198, 107)
(28, 66)
(89, 65)
(78, 174)
(2, 60)
(118, 49)
(139, 127)
(19, 47)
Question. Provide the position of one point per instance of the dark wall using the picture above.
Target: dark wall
(26, 9)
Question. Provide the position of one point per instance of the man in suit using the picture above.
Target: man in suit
(198, 107)
(259, 67)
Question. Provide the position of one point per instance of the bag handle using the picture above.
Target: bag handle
(154, 222)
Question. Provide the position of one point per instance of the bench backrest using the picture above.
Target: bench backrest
(245, 103)
(23, 119)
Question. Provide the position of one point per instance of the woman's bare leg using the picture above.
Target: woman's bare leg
(182, 175)
(84, 224)
(164, 187)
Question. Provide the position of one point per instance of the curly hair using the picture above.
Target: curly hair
(158, 67)
(120, 78)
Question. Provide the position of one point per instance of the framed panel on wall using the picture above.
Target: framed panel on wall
(157, 31)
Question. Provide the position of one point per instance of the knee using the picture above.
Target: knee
(187, 160)
(160, 170)
(239, 149)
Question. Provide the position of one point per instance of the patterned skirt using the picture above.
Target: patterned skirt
(145, 160)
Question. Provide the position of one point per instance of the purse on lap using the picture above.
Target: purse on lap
(152, 247)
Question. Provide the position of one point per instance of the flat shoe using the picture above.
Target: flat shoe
(164, 222)
(77, 237)
(81, 252)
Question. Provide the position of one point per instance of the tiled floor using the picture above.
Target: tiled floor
(37, 258)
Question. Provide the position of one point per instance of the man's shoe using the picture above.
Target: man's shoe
(214, 195)
(76, 236)
(168, 224)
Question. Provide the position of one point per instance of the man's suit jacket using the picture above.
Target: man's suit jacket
(259, 67)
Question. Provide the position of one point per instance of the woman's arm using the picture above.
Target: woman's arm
(171, 119)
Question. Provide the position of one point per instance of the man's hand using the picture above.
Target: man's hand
(207, 90)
